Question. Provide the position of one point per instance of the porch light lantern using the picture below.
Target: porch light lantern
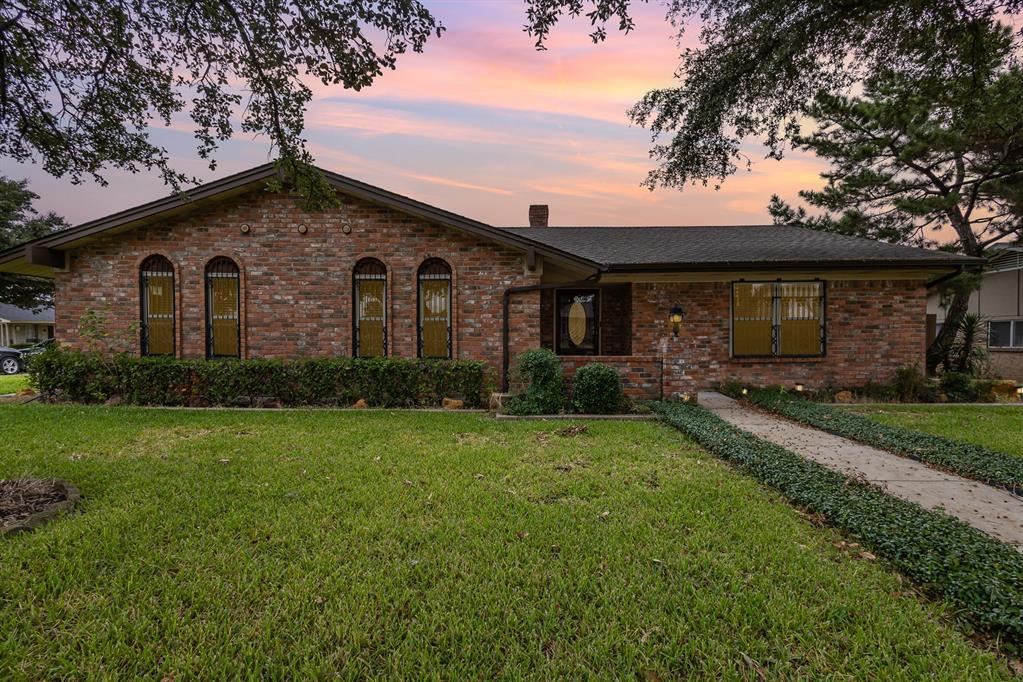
(675, 317)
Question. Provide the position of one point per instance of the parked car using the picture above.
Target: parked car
(36, 349)
(10, 360)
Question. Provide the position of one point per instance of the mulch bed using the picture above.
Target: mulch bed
(27, 503)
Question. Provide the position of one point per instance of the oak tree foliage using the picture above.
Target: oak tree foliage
(20, 222)
(760, 64)
(82, 82)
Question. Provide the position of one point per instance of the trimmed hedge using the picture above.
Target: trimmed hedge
(539, 369)
(948, 558)
(74, 376)
(965, 459)
(597, 389)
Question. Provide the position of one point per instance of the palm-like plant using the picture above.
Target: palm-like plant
(966, 352)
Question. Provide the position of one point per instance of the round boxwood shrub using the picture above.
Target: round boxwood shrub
(539, 369)
(597, 389)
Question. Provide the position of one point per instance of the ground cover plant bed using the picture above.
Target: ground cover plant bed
(312, 544)
(966, 459)
(997, 428)
(28, 503)
(982, 576)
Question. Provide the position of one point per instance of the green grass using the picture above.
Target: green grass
(996, 427)
(12, 383)
(375, 544)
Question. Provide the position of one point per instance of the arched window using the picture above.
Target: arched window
(369, 292)
(223, 318)
(434, 309)
(156, 289)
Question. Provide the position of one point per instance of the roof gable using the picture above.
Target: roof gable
(14, 258)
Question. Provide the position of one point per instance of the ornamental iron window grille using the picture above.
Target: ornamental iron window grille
(156, 307)
(369, 294)
(434, 309)
(223, 309)
(778, 319)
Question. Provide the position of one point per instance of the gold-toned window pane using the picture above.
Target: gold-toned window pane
(223, 308)
(799, 329)
(371, 301)
(435, 316)
(777, 318)
(751, 337)
(157, 294)
(752, 319)
(225, 315)
(159, 306)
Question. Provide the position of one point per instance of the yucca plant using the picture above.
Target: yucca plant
(966, 353)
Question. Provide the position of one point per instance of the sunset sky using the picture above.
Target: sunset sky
(483, 124)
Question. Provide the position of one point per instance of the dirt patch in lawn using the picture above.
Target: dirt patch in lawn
(27, 503)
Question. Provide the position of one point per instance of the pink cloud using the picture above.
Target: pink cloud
(483, 124)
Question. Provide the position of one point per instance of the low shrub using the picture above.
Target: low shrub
(909, 384)
(980, 575)
(597, 389)
(965, 459)
(877, 392)
(958, 387)
(539, 370)
(75, 376)
(731, 388)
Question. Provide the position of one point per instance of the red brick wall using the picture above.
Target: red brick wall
(297, 288)
(641, 375)
(873, 328)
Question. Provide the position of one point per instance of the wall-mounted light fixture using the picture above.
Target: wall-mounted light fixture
(302, 229)
(245, 228)
(675, 317)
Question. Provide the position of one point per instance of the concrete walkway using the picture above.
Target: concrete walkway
(989, 509)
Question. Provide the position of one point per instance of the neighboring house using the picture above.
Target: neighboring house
(19, 326)
(237, 271)
(1000, 301)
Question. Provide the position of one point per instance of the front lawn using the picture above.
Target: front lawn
(306, 544)
(12, 383)
(996, 427)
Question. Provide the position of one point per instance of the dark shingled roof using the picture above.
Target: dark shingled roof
(649, 248)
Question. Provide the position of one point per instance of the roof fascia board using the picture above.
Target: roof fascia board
(144, 211)
(964, 261)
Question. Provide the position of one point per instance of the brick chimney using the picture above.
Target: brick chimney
(538, 215)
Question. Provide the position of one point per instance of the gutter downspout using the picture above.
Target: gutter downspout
(505, 332)
(946, 277)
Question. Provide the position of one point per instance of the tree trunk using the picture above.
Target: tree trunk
(938, 350)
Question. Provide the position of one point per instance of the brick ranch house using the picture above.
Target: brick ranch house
(233, 270)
